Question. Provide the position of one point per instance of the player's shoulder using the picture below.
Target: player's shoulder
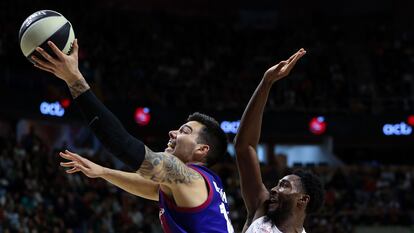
(260, 225)
(200, 169)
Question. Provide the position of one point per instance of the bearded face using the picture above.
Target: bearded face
(279, 207)
(283, 199)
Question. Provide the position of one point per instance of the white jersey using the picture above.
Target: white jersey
(260, 226)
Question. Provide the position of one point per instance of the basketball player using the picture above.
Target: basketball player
(191, 197)
(285, 206)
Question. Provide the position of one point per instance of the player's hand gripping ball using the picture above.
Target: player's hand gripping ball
(42, 26)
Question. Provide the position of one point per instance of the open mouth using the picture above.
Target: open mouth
(274, 199)
(171, 145)
(273, 203)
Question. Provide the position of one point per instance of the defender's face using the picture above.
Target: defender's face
(183, 142)
(286, 194)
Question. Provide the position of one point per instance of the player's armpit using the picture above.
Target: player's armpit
(167, 169)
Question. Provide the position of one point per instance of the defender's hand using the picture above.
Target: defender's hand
(283, 68)
(78, 163)
(63, 66)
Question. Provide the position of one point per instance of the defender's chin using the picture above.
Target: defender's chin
(273, 206)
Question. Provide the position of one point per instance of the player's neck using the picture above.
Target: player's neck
(293, 224)
(196, 163)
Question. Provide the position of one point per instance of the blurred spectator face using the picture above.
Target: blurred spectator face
(284, 199)
(183, 142)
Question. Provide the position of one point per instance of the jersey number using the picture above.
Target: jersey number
(224, 212)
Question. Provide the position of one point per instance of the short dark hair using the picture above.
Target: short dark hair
(212, 135)
(312, 186)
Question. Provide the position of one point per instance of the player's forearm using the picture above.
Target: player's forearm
(133, 183)
(251, 121)
(253, 190)
(108, 129)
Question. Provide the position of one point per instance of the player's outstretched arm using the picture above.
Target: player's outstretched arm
(253, 190)
(105, 125)
(133, 183)
(187, 186)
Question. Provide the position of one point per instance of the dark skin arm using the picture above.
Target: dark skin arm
(253, 190)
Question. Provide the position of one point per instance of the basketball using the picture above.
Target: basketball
(41, 27)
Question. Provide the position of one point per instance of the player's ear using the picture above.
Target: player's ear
(202, 150)
(304, 200)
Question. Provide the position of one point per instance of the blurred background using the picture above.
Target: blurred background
(346, 111)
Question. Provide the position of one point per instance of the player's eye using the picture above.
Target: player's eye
(184, 131)
(285, 185)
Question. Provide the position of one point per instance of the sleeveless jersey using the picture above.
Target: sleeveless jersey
(211, 216)
(261, 226)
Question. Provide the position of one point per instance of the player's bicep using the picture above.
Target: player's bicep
(164, 168)
(253, 190)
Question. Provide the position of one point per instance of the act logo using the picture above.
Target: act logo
(52, 109)
(400, 129)
(230, 126)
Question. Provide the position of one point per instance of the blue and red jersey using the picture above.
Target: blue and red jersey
(211, 216)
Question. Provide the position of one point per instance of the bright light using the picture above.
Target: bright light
(142, 116)
(52, 109)
(65, 103)
(317, 125)
(302, 154)
(230, 126)
(400, 129)
(410, 120)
